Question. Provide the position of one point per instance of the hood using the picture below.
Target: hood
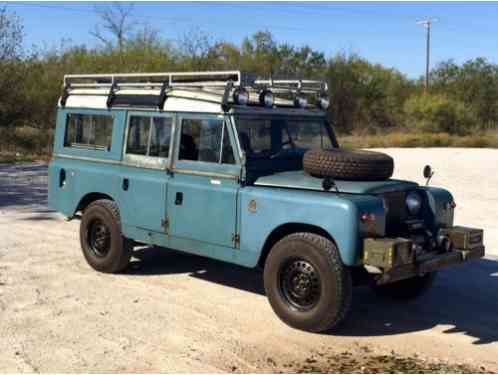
(301, 180)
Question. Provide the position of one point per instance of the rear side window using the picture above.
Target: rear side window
(149, 136)
(88, 131)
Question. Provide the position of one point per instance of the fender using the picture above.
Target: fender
(263, 209)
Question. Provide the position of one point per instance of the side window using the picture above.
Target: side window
(90, 131)
(138, 135)
(201, 140)
(149, 136)
(160, 137)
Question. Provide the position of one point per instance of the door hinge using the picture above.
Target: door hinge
(236, 239)
(165, 224)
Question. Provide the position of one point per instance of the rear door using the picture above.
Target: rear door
(202, 194)
(144, 178)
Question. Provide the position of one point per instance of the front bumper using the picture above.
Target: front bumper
(397, 258)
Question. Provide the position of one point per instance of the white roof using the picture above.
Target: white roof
(177, 100)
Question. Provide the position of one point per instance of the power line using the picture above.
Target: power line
(296, 11)
(148, 18)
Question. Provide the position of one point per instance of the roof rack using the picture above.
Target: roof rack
(225, 83)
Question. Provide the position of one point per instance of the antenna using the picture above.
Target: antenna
(427, 23)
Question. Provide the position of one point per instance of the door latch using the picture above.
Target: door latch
(165, 224)
(236, 239)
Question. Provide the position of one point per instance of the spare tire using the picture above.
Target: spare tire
(342, 164)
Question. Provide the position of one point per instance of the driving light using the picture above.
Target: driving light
(266, 98)
(241, 97)
(300, 101)
(323, 102)
(413, 203)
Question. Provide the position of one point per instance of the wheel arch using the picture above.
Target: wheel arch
(284, 230)
(89, 198)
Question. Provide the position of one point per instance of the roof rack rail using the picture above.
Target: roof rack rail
(305, 86)
(151, 80)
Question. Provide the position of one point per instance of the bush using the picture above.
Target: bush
(419, 139)
(437, 113)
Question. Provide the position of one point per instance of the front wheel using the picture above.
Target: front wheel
(407, 289)
(306, 282)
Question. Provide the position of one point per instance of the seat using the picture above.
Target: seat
(188, 148)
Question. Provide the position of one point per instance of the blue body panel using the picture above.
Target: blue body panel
(208, 210)
(337, 214)
(144, 203)
(301, 180)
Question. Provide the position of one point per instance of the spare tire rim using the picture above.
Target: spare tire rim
(299, 284)
(99, 238)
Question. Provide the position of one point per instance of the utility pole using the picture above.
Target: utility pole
(427, 23)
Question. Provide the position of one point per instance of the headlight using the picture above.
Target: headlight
(413, 203)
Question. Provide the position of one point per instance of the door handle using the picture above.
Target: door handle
(179, 198)
(126, 184)
(62, 178)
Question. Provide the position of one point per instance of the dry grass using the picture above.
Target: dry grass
(401, 139)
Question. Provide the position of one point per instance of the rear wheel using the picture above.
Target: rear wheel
(103, 245)
(306, 283)
(407, 289)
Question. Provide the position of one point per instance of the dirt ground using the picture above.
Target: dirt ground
(179, 313)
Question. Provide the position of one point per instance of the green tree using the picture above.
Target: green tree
(12, 70)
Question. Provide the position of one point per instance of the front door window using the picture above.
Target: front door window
(205, 140)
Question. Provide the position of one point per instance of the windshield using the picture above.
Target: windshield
(278, 143)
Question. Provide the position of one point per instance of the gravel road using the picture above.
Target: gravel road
(173, 312)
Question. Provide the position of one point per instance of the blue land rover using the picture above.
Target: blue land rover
(247, 171)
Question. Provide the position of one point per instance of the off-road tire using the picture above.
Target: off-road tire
(407, 289)
(120, 248)
(334, 301)
(342, 164)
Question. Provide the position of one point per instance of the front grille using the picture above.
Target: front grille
(396, 212)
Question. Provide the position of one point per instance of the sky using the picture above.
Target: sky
(382, 32)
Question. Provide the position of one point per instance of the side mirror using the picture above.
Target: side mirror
(428, 173)
(328, 183)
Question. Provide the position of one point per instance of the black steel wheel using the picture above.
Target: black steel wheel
(306, 283)
(299, 284)
(99, 238)
(102, 242)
